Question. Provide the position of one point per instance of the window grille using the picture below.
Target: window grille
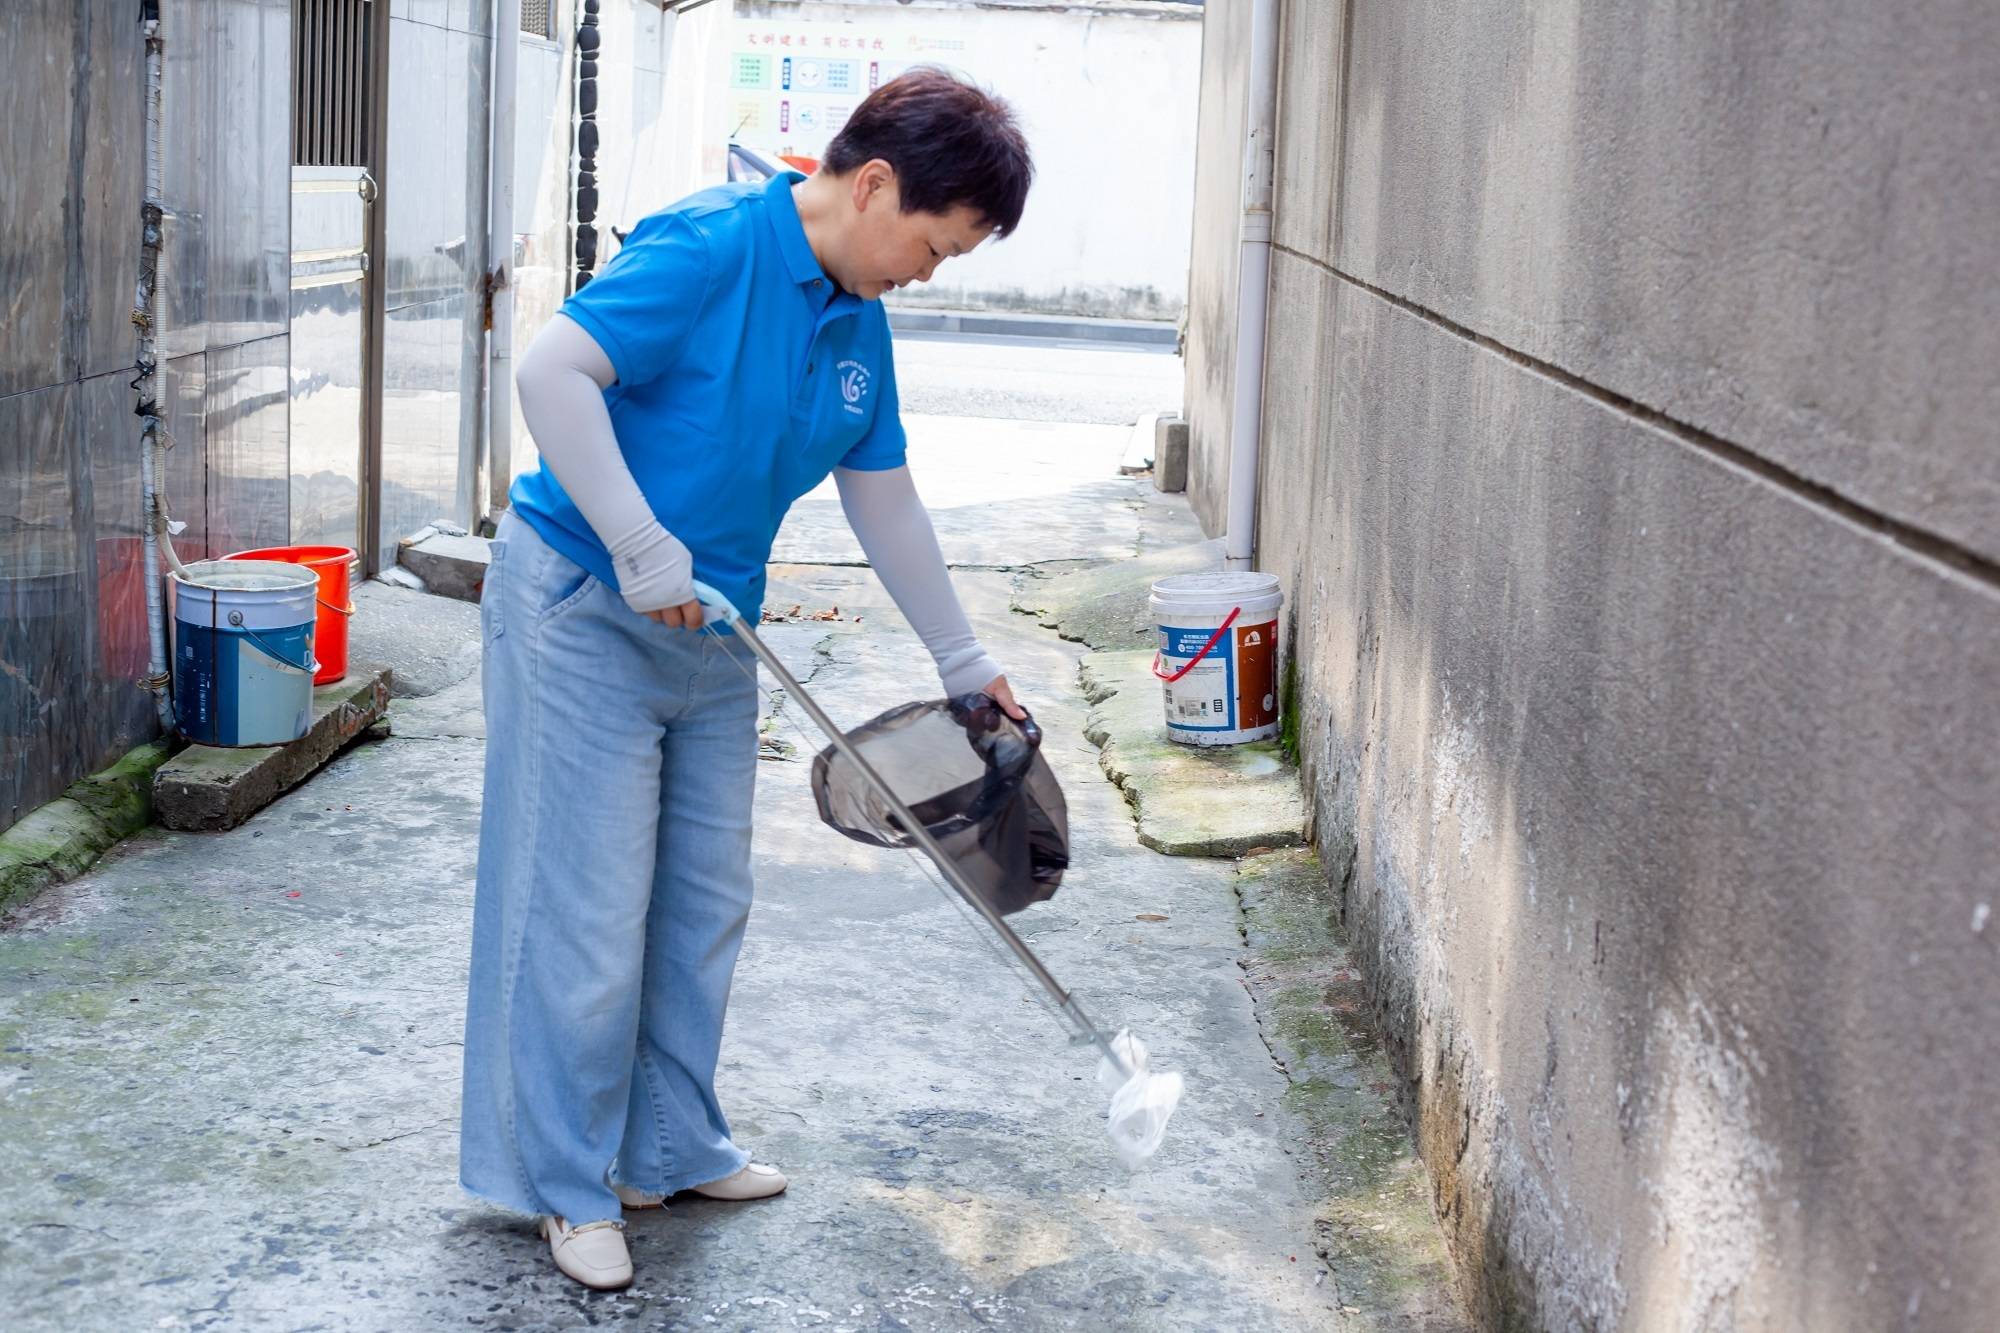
(538, 18)
(330, 68)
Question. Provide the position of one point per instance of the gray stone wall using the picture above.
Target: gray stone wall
(1630, 465)
(1213, 276)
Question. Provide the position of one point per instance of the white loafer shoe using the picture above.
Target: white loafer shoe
(594, 1253)
(637, 1199)
(755, 1181)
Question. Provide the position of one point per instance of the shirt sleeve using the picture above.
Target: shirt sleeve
(902, 548)
(642, 308)
(562, 381)
(884, 446)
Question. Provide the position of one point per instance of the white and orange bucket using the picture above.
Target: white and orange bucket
(1218, 657)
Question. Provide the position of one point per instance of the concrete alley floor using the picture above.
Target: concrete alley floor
(229, 1063)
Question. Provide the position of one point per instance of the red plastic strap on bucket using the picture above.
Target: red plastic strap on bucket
(1195, 661)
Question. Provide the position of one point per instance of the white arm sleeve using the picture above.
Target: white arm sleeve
(902, 547)
(562, 381)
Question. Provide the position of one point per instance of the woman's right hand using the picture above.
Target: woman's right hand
(688, 615)
(656, 576)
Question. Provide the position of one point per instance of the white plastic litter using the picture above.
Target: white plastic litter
(1142, 1104)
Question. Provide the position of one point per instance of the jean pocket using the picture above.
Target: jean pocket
(562, 585)
(492, 592)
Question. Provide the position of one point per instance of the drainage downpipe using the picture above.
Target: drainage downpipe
(1253, 289)
(156, 538)
(500, 260)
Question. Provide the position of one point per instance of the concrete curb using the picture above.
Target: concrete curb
(205, 788)
(1188, 801)
(59, 841)
(1130, 332)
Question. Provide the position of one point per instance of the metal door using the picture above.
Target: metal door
(339, 82)
(329, 323)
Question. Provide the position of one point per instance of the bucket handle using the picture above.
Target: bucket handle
(347, 610)
(1213, 639)
(310, 666)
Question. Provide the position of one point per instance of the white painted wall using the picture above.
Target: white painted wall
(1106, 93)
(651, 70)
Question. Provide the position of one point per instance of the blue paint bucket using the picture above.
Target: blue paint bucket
(243, 651)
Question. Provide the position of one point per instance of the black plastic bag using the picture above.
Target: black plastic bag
(974, 777)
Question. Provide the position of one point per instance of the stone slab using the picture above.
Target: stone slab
(206, 787)
(451, 565)
(1187, 800)
(395, 576)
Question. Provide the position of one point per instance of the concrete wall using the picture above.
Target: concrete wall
(1105, 92)
(1630, 470)
(1213, 276)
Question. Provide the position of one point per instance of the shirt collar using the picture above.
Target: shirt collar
(792, 242)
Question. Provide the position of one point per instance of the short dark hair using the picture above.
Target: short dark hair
(950, 142)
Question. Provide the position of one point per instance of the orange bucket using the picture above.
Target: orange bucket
(332, 564)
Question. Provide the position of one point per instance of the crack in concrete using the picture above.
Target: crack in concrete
(1258, 1009)
(780, 699)
(406, 1134)
(69, 1226)
(1377, 1231)
(374, 988)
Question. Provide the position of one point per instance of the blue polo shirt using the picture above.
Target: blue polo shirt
(745, 376)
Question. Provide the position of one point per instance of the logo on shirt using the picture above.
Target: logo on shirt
(854, 379)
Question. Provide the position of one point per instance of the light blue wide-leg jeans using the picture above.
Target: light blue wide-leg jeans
(613, 886)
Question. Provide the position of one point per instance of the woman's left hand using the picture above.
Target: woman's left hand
(1003, 694)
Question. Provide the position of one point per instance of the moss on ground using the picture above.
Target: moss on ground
(1375, 1229)
(62, 839)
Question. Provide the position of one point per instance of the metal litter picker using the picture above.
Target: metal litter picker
(1142, 1099)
